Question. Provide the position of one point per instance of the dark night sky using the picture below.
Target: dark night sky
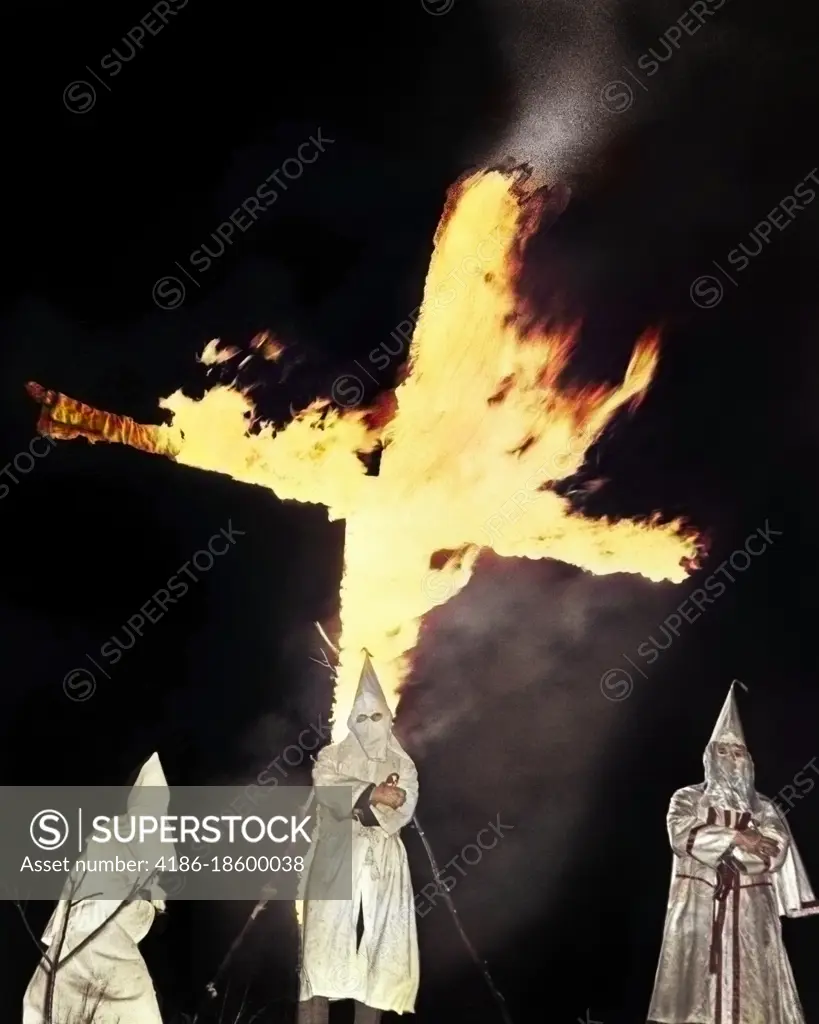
(99, 205)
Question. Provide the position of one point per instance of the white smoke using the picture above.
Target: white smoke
(509, 714)
(560, 54)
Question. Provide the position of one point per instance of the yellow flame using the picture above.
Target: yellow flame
(481, 428)
(213, 353)
(267, 346)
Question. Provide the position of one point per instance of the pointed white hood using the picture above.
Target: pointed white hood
(729, 727)
(729, 783)
(150, 796)
(374, 737)
(150, 789)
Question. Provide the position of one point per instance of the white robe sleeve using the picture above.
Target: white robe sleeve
(393, 821)
(691, 835)
(794, 894)
(326, 774)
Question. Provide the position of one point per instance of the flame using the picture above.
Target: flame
(212, 354)
(480, 432)
(267, 346)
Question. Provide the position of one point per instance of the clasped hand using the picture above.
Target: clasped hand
(755, 842)
(391, 796)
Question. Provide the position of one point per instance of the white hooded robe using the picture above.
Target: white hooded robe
(723, 960)
(107, 981)
(384, 971)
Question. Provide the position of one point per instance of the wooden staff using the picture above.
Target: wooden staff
(212, 992)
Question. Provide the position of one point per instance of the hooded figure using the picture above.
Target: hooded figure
(366, 948)
(107, 981)
(736, 871)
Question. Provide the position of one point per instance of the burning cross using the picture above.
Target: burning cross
(472, 444)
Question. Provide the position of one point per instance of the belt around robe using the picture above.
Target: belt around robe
(728, 881)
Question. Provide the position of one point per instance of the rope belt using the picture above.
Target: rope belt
(728, 881)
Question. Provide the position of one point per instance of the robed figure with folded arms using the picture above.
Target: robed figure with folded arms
(365, 949)
(736, 871)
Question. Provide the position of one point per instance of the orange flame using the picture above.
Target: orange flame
(268, 347)
(480, 431)
(212, 354)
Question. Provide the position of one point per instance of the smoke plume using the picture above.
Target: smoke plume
(559, 54)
